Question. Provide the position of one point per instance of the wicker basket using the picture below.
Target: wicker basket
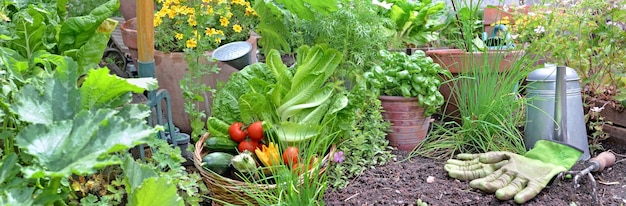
(228, 190)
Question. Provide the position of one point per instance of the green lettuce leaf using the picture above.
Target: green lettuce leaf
(226, 102)
(156, 191)
(80, 146)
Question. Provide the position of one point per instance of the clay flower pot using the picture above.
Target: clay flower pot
(129, 33)
(458, 61)
(409, 126)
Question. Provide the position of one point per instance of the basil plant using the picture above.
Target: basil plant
(416, 75)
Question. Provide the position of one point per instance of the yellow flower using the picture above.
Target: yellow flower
(210, 31)
(221, 1)
(191, 43)
(237, 28)
(206, 1)
(268, 155)
(220, 32)
(250, 11)
(209, 10)
(192, 20)
(224, 21)
(157, 21)
(218, 40)
(178, 36)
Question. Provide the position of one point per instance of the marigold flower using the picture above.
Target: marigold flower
(237, 28)
(269, 156)
(218, 40)
(157, 21)
(209, 31)
(192, 20)
(191, 43)
(224, 21)
(178, 36)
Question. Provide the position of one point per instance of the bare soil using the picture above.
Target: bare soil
(404, 181)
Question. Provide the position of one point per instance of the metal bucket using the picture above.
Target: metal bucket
(555, 112)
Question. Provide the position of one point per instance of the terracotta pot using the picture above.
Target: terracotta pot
(491, 15)
(128, 8)
(129, 33)
(458, 61)
(409, 126)
(170, 68)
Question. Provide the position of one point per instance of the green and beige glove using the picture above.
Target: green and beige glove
(510, 175)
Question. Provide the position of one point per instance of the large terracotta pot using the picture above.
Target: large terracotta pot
(170, 68)
(129, 33)
(409, 126)
(128, 8)
(458, 61)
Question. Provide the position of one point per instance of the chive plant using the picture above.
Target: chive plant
(490, 107)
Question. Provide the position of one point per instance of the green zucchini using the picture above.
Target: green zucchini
(218, 162)
(217, 127)
(221, 144)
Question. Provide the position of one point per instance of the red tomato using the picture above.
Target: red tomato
(290, 156)
(248, 144)
(255, 130)
(235, 132)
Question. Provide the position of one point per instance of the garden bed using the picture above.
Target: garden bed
(403, 182)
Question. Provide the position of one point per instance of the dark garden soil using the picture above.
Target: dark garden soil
(404, 181)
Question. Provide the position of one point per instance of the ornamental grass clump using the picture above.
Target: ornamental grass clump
(206, 24)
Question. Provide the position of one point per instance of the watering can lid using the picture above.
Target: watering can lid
(548, 74)
(231, 51)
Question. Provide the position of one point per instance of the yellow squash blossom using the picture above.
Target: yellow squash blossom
(191, 43)
(268, 155)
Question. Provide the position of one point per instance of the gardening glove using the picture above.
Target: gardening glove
(510, 175)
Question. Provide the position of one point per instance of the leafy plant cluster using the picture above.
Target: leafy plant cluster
(489, 107)
(63, 120)
(415, 23)
(562, 29)
(367, 145)
(416, 75)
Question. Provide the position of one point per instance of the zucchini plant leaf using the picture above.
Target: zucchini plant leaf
(103, 90)
(60, 99)
(135, 174)
(82, 144)
(155, 191)
(18, 196)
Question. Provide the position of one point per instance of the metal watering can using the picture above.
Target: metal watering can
(555, 110)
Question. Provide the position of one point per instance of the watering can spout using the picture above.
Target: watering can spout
(560, 106)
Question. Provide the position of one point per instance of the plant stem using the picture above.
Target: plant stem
(458, 21)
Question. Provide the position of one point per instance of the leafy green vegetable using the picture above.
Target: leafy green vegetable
(226, 102)
(102, 90)
(416, 75)
(156, 191)
(415, 22)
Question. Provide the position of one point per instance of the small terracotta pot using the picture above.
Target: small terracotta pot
(409, 126)
(129, 33)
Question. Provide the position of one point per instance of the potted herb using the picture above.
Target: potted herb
(408, 87)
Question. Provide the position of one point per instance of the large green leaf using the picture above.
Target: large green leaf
(76, 31)
(17, 196)
(103, 90)
(60, 99)
(155, 191)
(80, 146)
(271, 27)
(90, 53)
(254, 106)
(29, 28)
(136, 174)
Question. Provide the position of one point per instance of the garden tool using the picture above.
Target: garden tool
(496, 41)
(514, 176)
(556, 110)
(235, 54)
(596, 164)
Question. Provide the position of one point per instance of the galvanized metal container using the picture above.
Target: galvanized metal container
(543, 114)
